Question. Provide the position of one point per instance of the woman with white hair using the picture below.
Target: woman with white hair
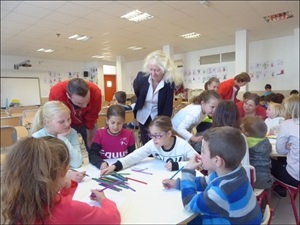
(154, 88)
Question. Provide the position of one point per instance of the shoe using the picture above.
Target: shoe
(279, 191)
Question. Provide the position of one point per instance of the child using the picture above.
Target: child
(225, 196)
(227, 114)
(164, 145)
(288, 143)
(274, 117)
(255, 129)
(35, 189)
(54, 119)
(191, 115)
(120, 98)
(112, 141)
(212, 84)
(229, 88)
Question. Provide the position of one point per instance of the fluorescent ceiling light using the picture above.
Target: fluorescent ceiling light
(45, 50)
(79, 37)
(75, 36)
(279, 16)
(98, 56)
(137, 16)
(190, 35)
(134, 48)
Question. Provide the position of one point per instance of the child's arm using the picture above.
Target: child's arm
(72, 142)
(131, 148)
(94, 155)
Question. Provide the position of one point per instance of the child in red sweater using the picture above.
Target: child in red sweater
(35, 189)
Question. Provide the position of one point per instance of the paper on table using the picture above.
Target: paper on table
(118, 199)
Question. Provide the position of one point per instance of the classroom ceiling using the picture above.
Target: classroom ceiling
(27, 26)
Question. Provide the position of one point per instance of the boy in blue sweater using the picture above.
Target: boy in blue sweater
(225, 196)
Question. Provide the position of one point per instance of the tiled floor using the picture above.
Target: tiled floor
(283, 210)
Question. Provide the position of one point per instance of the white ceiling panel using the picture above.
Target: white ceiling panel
(27, 25)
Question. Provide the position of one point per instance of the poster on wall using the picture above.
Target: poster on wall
(199, 76)
(73, 75)
(267, 69)
(54, 78)
(93, 75)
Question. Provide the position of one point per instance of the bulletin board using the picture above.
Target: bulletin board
(25, 89)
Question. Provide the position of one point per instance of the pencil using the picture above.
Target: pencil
(175, 173)
(80, 171)
(106, 187)
(136, 180)
(140, 171)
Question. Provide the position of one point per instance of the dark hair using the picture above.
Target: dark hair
(226, 114)
(254, 97)
(77, 86)
(227, 143)
(212, 79)
(115, 110)
(205, 96)
(254, 126)
(246, 94)
(133, 99)
(268, 86)
(120, 97)
(242, 77)
(294, 92)
(275, 97)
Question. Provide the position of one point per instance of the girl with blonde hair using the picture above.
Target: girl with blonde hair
(35, 189)
(54, 119)
(287, 143)
(275, 117)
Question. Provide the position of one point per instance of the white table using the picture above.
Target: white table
(273, 143)
(150, 204)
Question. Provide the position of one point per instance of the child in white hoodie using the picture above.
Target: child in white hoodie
(275, 117)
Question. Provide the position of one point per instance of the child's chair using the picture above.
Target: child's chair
(260, 194)
(267, 217)
(293, 193)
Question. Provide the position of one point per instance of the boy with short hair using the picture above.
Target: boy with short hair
(255, 130)
(120, 99)
(225, 196)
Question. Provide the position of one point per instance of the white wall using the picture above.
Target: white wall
(285, 48)
(41, 68)
(282, 48)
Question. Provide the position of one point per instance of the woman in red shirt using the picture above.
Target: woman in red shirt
(251, 107)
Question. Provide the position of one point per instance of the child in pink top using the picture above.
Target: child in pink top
(112, 141)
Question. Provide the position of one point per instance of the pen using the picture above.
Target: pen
(175, 173)
(136, 180)
(108, 186)
(80, 171)
(141, 171)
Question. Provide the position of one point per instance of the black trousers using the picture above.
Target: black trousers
(144, 130)
(82, 130)
(279, 172)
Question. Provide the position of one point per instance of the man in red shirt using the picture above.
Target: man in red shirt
(229, 89)
(84, 101)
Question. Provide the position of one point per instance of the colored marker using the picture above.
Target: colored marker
(175, 173)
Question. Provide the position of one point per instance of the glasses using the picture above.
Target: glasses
(156, 136)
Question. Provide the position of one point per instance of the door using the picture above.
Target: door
(109, 87)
